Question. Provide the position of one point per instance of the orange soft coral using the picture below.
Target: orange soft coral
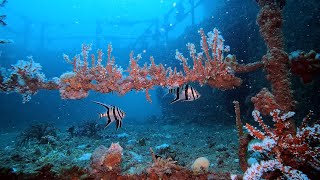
(291, 150)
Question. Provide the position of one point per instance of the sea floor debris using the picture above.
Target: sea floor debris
(72, 154)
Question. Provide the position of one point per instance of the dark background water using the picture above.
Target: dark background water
(47, 29)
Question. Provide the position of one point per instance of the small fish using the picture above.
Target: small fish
(3, 3)
(184, 93)
(2, 17)
(5, 41)
(113, 113)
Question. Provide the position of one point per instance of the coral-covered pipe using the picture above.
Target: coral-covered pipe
(276, 61)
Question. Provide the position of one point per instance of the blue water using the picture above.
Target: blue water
(47, 29)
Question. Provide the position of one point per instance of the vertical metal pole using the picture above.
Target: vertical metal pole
(192, 11)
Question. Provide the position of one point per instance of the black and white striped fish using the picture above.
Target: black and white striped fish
(184, 93)
(112, 114)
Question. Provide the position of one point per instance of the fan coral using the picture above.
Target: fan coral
(88, 129)
(43, 133)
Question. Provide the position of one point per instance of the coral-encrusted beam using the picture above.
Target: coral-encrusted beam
(276, 61)
(209, 67)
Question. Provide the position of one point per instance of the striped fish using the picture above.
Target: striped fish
(113, 113)
(184, 93)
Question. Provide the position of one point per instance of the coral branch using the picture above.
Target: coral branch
(154, 159)
(214, 69)
(241, 68)
(25, 78)
(305, 65)
(264, 102)
(244, 139)
(292, 151)
(238, 118)
(257, 170)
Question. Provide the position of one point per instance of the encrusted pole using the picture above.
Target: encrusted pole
(276, 61)
(244, 138)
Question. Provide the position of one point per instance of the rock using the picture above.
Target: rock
(17, 157)
(163, 148)
(122, 135)
(97, 157)
(142, 142)
(82, 146)
(104, 159)
(131, 142)
(37, 152)
(168, 136)
(85, 157)
(113, 157)
(136, 157)
(221, 147)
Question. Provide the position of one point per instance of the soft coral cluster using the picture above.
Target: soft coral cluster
(161, 166)
(305, 65)
(211, 68)
(292, 151)
(25, 78)
(76, 84)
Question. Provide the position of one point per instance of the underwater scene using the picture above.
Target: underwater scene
(159, 89)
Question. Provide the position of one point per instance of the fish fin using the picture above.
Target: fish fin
(3, 23)
(175, 100)
(108, 123)
(118, 124)
(104, 105)
(165, 94)
(169, 91)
